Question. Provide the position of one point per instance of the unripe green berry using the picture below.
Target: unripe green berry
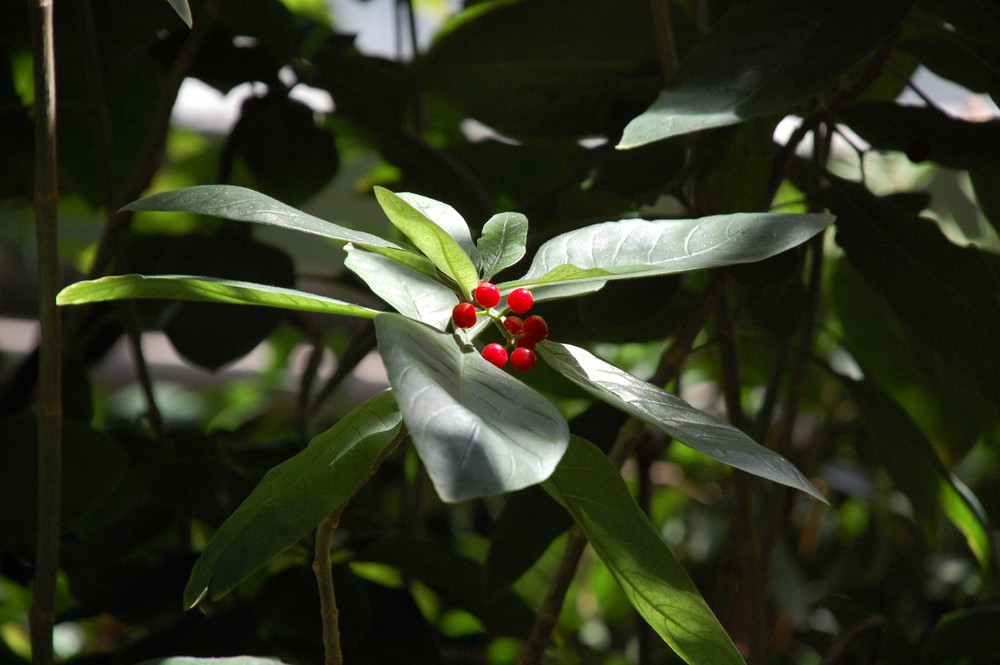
(520, 301)
(523, 359)
(464, 315)
(487, 295)
(496, 354)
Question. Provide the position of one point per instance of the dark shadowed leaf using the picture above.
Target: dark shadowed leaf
(479, 431)
(458, 580)
(655, 406)
(917, 471)
(763, 58)
(578, 260)
(204, 289)
(293, 497)
(502, 243)
(593, 491)
(232, 660)
(410, 293)
(437, 231)
(964, 637)
(245, 205)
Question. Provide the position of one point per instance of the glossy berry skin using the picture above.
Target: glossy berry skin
(487, 295)
(535, 329)
(523, 359)
(513, 324)
(520, 301)
(523, 342)
(464, 315)
(496, 354)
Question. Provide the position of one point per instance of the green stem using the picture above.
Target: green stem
(42, 615)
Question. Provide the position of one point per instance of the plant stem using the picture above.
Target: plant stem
(548, 612)
(324, 580)
(42, 615)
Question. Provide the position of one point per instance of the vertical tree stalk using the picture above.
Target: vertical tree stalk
(49, 407)
(324, 580)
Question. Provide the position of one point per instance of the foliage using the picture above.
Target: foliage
(821, 320)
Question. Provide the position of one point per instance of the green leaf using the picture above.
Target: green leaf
(183, 10)
(639, 248)
(655, 406)
(964, 637)
(502, 243)
(207, 289)
(447, 218)
(946, 296)
(245, 205)
(916, 469)
(589, 486)
(762, 58)
(436, 242)
(293, 497)
(548, 69)
(409, 292)
(478, 430)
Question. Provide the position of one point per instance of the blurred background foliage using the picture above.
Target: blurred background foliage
(870, 358)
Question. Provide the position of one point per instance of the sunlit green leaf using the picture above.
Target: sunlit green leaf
(762, 58)
(206, 289)
(479, 431)
(183, 10)
(409, 292)
(437, 243)
(293, 497)
(245, 205)
(640, 248)
(502, 242)
(589, 486)
(657, 407)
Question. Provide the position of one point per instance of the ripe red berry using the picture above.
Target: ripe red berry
(513, 324)
(496, 354)
(535, 329)
(464, 315)
(523, 342)
(520, 301)
(523, 359)
(487, 295)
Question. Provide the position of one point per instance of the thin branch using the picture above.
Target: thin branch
(666, 44)
(332, 654)
(548, 612)
(46, 195)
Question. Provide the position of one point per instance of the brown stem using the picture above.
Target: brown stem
(324, 580)
(548, 612)
(46, 195)
(666, 45)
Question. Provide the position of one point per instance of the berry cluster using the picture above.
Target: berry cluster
(522, 335)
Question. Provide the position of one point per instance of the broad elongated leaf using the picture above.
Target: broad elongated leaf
(183, 10)
(640, 248)
(205, 289)
(916, 469)
(502, 242)
(478, 430)
(232, 660)
(447, 218)
(245, 205)
(658, 408)
(437, 243)
(591, 489)
(409, 292)
(293, 497)
(762, 58)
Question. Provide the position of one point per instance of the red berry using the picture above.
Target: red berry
(496, 354)
(520, 301)
(464, 315)
(535, 329)
(523, 359)
(524, 342)
(487, 295)
(513, 324)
